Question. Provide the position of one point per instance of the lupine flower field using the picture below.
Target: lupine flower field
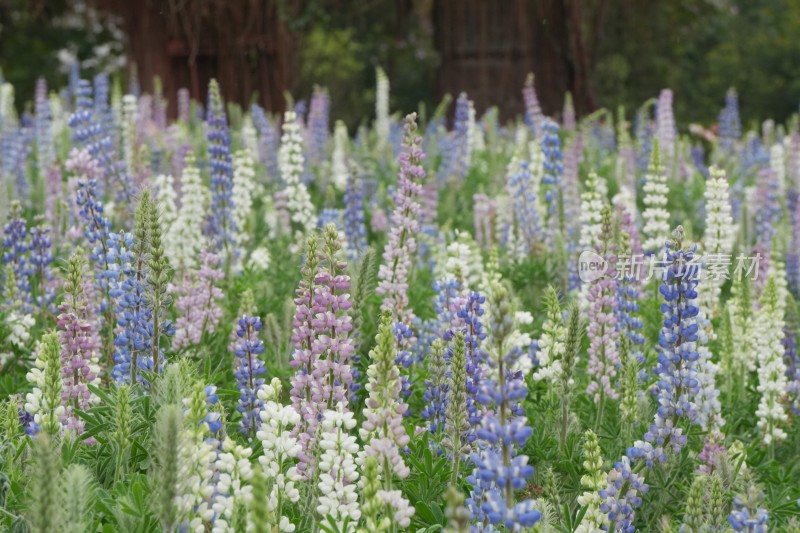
(240, 321)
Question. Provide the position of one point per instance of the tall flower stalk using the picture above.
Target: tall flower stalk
(499, 471)
(398, 256)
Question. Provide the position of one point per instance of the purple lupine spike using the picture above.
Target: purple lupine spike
(552, 180)
(730, 126)
(89, 133)
(248, 370)
(524, 202)
(500, 470)
(41, 260)
(793, 250)
(354, 226)
(677, 361)
(221, 222)
(16, 253)
(470, 313)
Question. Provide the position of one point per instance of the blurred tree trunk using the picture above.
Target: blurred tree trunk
(244, 44)
(487, 49)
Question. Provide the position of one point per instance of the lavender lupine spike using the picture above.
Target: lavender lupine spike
(603, 332)
(305, 357)
(533, 111)
(198, 302)
(79, 343)
(332, 323)
(499, 470)
(402, 243)
(247, 369)
(222, 223)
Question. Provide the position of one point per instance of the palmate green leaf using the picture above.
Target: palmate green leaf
(428, 515)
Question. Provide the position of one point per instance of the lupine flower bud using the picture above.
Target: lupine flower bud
(694, 515)
(457, 422)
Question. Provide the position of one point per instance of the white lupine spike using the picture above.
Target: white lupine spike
(338, 472)
(130, 110)
(244, 187)
(166, 198)
(550, 346)
(280, 449)
(709, 409)
(720, 233)
(185, 236)
(249, 135)
(772, 381)
(339, 172)
(777, 163)
(291, 162)
(382, 107)
(656, 228)
(234, 473)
